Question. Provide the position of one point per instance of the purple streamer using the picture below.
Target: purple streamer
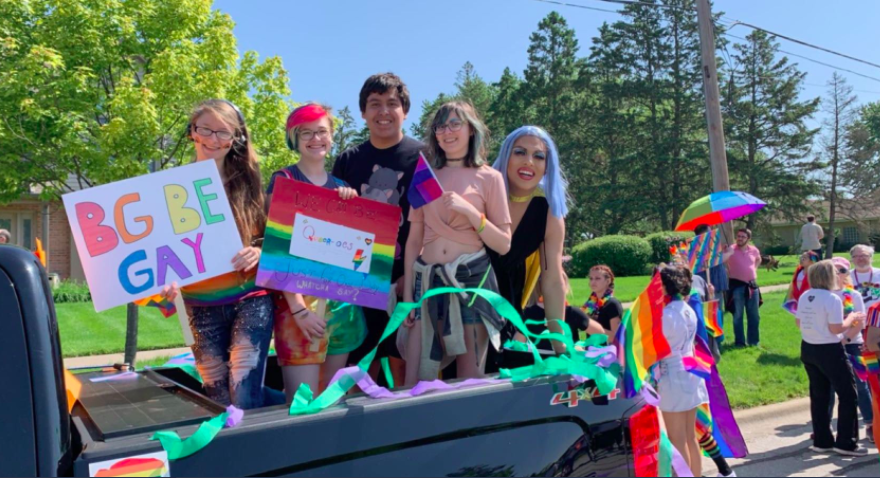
(722, 416)
(235, 416)
(373, 390)
(607, 355)
(113, 378)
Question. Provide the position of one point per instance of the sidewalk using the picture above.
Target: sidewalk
(110, 359)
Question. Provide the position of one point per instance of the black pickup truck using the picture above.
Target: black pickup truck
(542, 427)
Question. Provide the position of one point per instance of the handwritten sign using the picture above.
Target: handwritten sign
(136, 236)
(320, 245)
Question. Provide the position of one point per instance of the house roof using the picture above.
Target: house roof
(855, 209)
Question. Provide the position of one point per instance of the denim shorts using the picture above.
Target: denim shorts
(468, 313)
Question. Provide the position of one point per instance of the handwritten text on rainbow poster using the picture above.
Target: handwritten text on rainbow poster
(138, 235)
(332, 244)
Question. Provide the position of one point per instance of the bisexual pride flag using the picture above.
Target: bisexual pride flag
(424, 187)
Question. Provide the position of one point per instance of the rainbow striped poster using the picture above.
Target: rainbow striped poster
(320, 245)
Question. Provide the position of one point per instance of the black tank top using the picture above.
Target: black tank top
(510, 269)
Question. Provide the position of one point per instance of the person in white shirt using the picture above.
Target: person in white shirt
(820, 316)
(865, 277)
(853, 339)
(811, 236)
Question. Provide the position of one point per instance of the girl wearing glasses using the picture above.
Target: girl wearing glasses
(230, 317)
(538, 202)
(447, 248)
(312, 348)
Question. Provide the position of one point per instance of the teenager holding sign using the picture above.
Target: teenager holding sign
(230, 317)
(304, 339)
(447, 248)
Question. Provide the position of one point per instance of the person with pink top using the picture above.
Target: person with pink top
(742, 261)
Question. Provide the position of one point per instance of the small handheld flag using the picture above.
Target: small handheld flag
(425, 187)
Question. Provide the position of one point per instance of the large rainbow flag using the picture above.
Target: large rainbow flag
(640, 341)
(705, 251)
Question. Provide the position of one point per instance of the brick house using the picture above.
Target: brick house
(27, 218)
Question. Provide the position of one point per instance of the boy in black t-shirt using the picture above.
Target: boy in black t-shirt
(381, 169)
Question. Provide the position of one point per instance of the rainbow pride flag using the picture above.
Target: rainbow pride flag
(705, 251)
(872, 364)
(640, 341)
(873, 319)
(425, 187)
(714, 317)
(165, 307)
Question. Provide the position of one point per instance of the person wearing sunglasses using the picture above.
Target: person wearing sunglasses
(853, 339)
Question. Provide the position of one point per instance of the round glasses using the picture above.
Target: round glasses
(450, 126)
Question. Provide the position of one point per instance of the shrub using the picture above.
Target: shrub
(71, 291)
(778, 250)
(625, 255)
(660, 242)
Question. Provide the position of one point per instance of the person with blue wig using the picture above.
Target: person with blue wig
(538, 202)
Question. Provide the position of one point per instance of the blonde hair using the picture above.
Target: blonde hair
(823, 275)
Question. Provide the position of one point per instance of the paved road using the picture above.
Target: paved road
(778, 437)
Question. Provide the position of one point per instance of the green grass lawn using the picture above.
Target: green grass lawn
(770, 373)
(86, 332)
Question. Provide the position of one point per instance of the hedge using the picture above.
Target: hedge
(71, 291)
(660, 242)
(625, 255)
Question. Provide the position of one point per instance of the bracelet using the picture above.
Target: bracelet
(298, 311)
(482, 224)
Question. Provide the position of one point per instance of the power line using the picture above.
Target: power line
(814, 61)
(801, 42)
(578, 6)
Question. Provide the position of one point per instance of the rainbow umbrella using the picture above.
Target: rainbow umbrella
(718, 208)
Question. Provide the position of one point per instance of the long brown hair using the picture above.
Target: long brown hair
(243, 184)
(476, 155)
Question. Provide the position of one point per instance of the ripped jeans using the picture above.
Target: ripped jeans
(231, 345)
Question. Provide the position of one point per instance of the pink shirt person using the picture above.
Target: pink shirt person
(743, 263)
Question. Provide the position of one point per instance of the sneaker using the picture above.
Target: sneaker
(817, 449)
(858, 452)
(732, 474)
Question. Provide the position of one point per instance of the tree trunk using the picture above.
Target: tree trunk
(131, 334)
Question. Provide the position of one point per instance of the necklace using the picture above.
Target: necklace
(520, 198)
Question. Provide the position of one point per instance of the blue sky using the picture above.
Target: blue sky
(329, 47)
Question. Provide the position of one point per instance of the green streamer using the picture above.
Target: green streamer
(387, 369)
(178, 448)
(664, 467)
(570, 363)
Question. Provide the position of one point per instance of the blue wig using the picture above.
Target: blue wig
(553, 183)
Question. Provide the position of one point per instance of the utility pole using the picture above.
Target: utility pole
(717, 151)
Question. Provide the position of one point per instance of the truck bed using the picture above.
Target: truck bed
(508, 429)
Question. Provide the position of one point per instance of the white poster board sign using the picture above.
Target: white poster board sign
(332, 244)
(136, 236)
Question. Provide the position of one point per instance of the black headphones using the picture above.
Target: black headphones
(238, 141)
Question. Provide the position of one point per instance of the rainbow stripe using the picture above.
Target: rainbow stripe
(872, 364)
(873, 319)
(705, 251)
(165, 307)
(425, 187)
(225, 289)
(714, 317)
(135, 467)
(358, 259)
(279, 270)
(640, 341)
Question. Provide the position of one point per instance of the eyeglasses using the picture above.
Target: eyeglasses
(861, 256)
(742, 238)
(307, 135)
(207, 132)
(843, 270)
(453, 126)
